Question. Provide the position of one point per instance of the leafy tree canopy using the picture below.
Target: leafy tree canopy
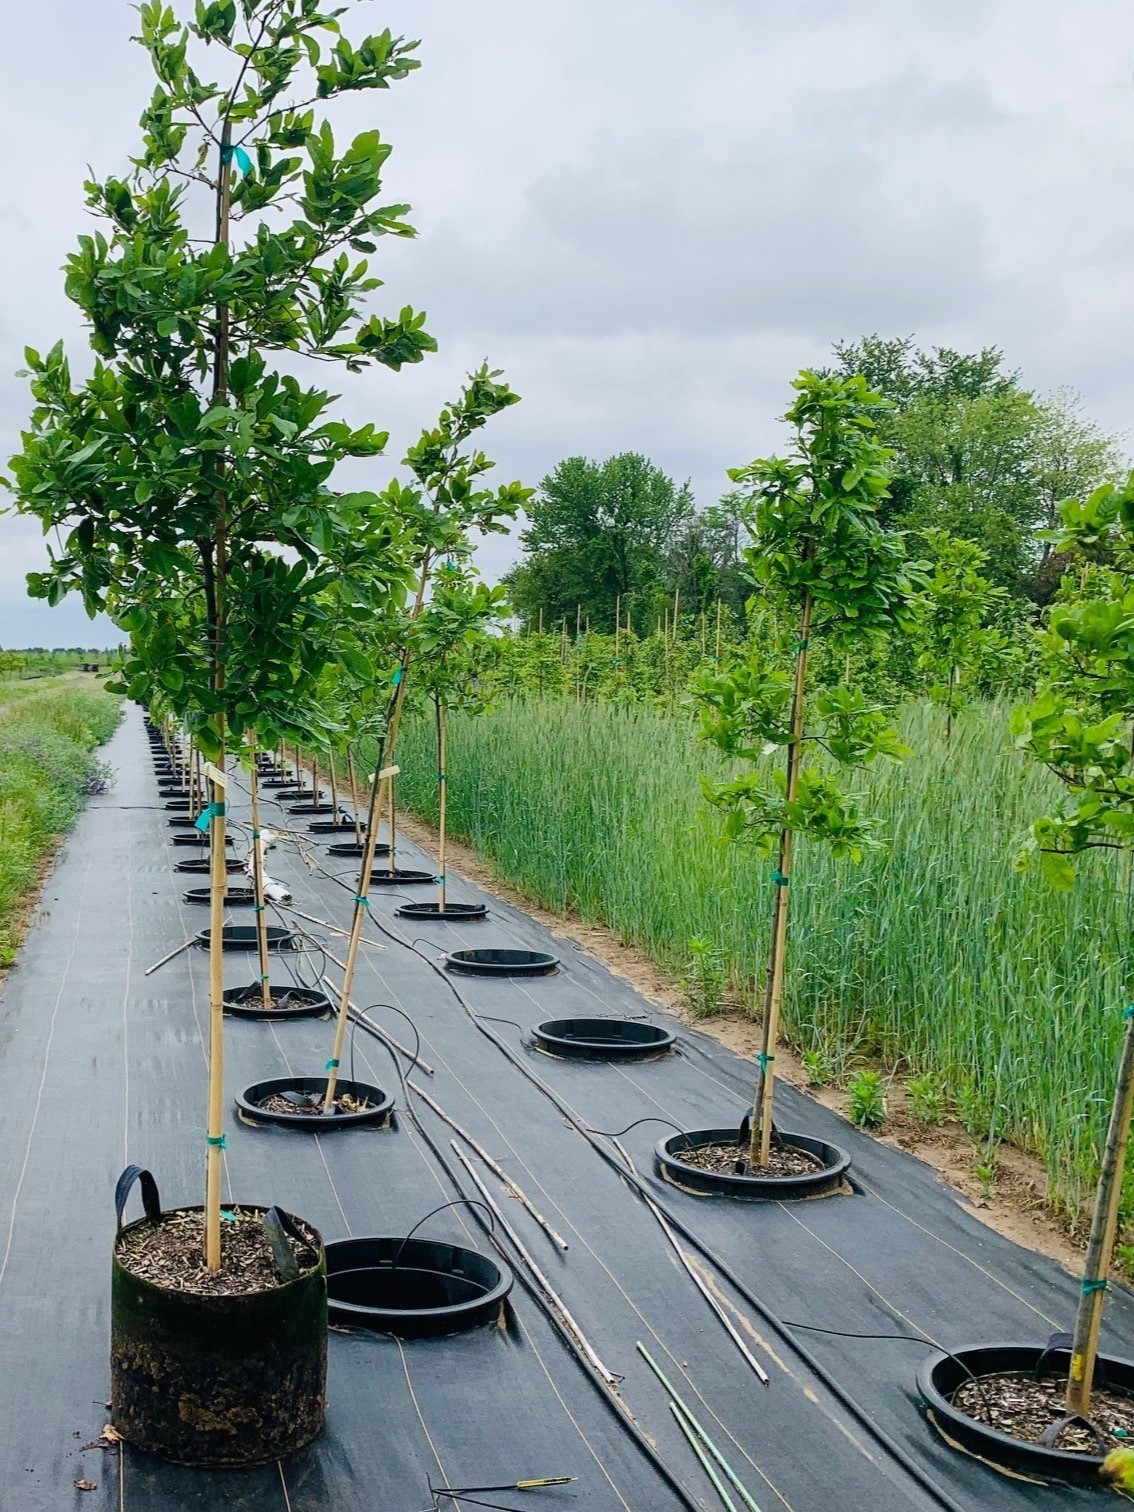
(979, 455)
(597, 540)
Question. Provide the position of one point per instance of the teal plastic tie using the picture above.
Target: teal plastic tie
(259, 908)
(243, 161)
(1090, 1287)
(802, 645)
(764, 1061)
(1128, 1013)
(218, 1141)
(208, 814)
(332, 1065)
(227, 1216)
(397, 677)
(265, 978)
(358, 898)
(255, 834)
(779, 879)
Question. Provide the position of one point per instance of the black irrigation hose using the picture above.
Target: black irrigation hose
(922, 1339)
(618, 1133)
(837, 1390)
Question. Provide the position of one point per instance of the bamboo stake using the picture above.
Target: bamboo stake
(258, 882)
(517, 1192)
(718, 630)
(696, 1426)
(218, 883)
(1104, 1227)
(442, 786)
(334, 789)
(760, 1144)
(218, 563)
(353, 796)
(362, 897)
(556, 1300)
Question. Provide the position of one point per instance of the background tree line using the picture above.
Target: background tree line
(976, 454)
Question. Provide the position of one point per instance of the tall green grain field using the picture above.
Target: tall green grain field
(934, 953)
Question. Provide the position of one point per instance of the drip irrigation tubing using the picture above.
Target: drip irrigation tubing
(892, 1449)
(536, 1291)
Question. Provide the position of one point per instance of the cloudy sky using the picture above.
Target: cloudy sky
(652, 213)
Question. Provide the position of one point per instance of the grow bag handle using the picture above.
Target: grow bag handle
(744, 1133)
(151, 1202)
(278, 1226)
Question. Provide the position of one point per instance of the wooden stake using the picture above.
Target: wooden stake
(382, 775)
(334, 789)
(218, 884)
(760, 1144)
(1104, 1228)
(442, 784)
(258, 883)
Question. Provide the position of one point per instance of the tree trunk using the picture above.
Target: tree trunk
(760, 1143)
(1104, 1227)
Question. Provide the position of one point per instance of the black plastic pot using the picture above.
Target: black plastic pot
(177, 805)
(196, 838)
(817, 1183)
(353, 850)
(501, 962)
(216, 1381)
(182, 822)
(245, 937)
(235, 897)
(277, 782)
(433, 1289)
(250, 1099)
(301, 1002)
(602, 1039)
(311, 808)
(335, 826)
(299, 794)
(401, 878)
(941, 1374)
(454, 913)
(199, 866)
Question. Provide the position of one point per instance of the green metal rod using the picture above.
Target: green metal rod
(702, 1435)
(703, 1457)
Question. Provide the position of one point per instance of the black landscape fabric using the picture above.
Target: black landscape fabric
(105, 1066)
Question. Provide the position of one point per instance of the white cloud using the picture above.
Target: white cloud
(651, 214)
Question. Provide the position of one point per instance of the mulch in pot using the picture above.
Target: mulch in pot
(1024, 1408)
(314, 1104)
(171, 1253)
(783, 1160)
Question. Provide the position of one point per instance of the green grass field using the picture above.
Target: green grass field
(48, 733)
(935, 954)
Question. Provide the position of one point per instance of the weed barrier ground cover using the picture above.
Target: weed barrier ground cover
(108, 1068)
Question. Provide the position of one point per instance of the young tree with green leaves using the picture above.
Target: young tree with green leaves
(188, 482)
(445, 504)
(949, 621)
(1079, 727)
(819, 550)
(450, 640)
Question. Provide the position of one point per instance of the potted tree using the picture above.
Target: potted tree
(189, 485)
(437, 513)
(452, 631)
(822, 561)
(1060, 1408)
